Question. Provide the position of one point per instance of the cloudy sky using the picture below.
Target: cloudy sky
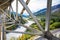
(34, 5)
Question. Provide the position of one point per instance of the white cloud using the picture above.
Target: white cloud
(37, 5)
(54, 2)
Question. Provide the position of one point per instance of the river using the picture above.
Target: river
(20, 29)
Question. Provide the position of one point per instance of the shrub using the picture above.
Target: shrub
(24, 37)
(55, 25)
(12, 27)
(34, 26)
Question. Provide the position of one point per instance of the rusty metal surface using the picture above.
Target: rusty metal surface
(4, 6)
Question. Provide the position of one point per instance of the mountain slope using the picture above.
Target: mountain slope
(43, 11)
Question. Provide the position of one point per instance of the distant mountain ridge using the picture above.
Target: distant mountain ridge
(42, 11)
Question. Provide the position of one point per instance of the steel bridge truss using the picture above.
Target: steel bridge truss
(25, 7)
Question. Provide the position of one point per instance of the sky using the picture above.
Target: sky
(34, 5)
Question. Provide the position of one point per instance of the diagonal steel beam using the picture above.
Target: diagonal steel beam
(28, 10)
(10, 22)
(6, 14)
(32, 29)
(31, 33)
(9, 26)
(4, 2)
(24, 8)
(48, 14)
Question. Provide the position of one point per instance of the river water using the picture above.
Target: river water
(20, 29)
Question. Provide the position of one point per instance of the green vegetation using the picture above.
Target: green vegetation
(54, 23)
(12, 27)
(24, 37)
